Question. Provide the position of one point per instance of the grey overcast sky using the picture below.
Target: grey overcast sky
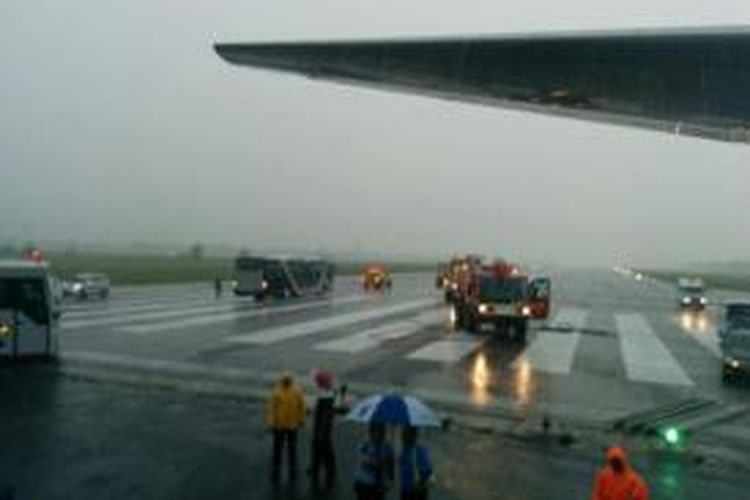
(119, 123)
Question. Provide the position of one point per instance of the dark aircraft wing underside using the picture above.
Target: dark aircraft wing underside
(692, 82)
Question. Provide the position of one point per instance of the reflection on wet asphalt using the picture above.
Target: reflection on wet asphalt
(68, 438)
(577, 366)
(491, 374)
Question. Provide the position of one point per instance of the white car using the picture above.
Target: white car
(87, 285)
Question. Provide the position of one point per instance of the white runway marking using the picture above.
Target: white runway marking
(553, 352)
(112, 310)
(235, 315)
(452, 350)
(646, 357)
(95, 305)
(129, 317)
(278, 334)
(373, 337)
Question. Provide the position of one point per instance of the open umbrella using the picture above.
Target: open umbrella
(393, 409)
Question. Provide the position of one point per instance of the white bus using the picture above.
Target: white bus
(281, 277)
(29, 311)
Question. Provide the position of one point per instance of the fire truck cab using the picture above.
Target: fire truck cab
(540, 291)
(496, 294)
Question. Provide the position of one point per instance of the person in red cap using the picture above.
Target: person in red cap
(323, 457)
(617, 480)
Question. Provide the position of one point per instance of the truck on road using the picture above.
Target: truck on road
(494, 294)
(375, 278)
(691, 294)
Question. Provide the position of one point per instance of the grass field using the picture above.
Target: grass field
(142, 270)
(713, 279)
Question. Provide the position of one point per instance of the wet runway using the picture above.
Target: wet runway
(612, 347)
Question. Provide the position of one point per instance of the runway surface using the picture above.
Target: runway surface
(612, 347)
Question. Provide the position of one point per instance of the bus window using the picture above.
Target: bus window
(25, 295)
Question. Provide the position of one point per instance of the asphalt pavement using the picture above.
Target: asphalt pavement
(158, 392)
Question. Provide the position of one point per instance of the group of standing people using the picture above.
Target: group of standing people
(376, 466)
(376, 461)
(287, 414)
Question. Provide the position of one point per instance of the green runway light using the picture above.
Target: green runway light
(672, 436)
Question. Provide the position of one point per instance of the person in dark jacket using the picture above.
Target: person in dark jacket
(374, 474)
(323, 457)
(414, 467)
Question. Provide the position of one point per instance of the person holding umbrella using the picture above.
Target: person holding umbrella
(374, 472)
(379, 411)
(414, 467)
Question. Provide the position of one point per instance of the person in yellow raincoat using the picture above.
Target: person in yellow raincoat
(285, 415)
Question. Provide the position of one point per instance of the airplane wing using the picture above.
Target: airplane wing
(693, 82)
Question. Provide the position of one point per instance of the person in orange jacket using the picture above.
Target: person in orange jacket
(618, 481)
(285, 415)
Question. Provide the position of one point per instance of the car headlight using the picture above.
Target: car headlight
(686, 300)
(265, 285)
(526, 311)
(704, 300)
(484, 308)
(77, 287)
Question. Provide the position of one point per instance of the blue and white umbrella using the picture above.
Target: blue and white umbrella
(393, 409)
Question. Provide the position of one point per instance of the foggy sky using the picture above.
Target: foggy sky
(119, 123)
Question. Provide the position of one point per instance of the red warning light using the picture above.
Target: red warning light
(35, 255)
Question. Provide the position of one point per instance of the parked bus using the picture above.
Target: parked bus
(281, 277)
(29, 311)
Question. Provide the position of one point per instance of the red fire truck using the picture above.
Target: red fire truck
(375, 278)
(496, 294)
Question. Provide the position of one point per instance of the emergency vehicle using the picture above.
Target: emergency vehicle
(493, 294)
(375, 278)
